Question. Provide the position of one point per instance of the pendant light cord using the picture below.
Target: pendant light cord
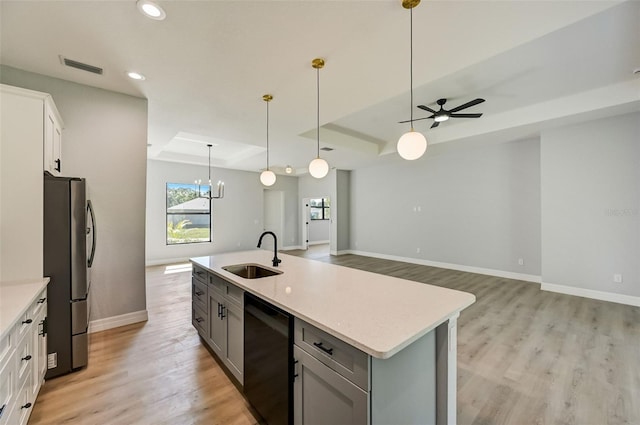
(318, 109)
(267, 136)
(209, 167)
(411, 61)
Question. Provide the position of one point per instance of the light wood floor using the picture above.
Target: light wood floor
(524, 357)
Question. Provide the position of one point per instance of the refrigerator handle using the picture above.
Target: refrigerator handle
(93, 233)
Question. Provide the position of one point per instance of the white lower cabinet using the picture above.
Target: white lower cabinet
(23, 364)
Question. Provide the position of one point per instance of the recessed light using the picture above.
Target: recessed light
(288, 169)
(136, 76)
(151, 10)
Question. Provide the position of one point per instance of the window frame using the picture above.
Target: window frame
(321, 207)
(168, 213)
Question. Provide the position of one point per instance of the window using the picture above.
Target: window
(188, 216)
(320, 209)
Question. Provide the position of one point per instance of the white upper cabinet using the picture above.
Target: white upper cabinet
(52, 138)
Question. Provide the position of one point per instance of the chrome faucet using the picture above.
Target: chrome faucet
(275, 260)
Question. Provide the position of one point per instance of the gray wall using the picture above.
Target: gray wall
(237, 218)
(105, 141)
(319, 231)
(477, 207)
(342, 207)
(590, 205)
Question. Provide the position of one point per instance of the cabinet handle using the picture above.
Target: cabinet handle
(199, 319)
(58, 166)
(2, 410)
(222, 315)
(199, 293)
(41, 300)
(27, 358)
(43, 322)
(26, 406)
(329, 351)
(295, 369)
(219, 309)
(26, 322)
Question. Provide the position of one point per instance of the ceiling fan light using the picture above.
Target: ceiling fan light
(318, 168)
(441, 118)
(412, 145)
(268, 178)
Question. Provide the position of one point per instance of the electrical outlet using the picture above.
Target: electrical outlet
(521, 261)
(617, 278)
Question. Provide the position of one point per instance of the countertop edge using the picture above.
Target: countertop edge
(385, 353)
(40, 284)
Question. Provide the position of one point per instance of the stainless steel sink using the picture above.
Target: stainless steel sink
(250, 271)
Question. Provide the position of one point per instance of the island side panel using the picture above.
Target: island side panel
(446, 371)
(403, 387)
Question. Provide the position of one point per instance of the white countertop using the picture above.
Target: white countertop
(15, 298)
(378, 314)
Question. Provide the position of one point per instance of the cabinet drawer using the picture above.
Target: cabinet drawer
(23, 359)
(346, 360)
(200, 321)
(199, 273)
(235, 295)
(199, 294)
(39, 304)
(8, 344)
(217, 283)
(23, 403)
(24, 325)
(7, 389)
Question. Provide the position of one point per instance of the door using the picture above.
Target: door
(305, 223)
(273, 217)
(78, 232)
(322, 396)
(217, 326)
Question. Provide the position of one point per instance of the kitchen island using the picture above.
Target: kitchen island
(406, 330)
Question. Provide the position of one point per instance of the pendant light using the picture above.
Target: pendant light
(267, 177)
(219, 187)
(318, 167)
(412, 144)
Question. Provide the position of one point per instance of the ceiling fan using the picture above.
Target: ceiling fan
(443, 115)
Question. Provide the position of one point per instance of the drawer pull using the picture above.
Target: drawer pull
(2, 410)
(295, 369)
(222, 315)
(41, 300)
(199, 293)
(26, 322)
(26, 406)
(199, 319)
(27, 358)
(329, 351)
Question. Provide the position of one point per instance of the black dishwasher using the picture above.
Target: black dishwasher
(268, 357)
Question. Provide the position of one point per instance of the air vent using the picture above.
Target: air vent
(326, 149)
(81, 66)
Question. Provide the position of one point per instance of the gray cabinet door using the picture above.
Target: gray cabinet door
(235, 339)
(321, 396)
(217, 325)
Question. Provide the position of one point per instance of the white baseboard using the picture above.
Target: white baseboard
(290, 248)
(469, 269)
(590, 293)
(319, 242)
(117, 321)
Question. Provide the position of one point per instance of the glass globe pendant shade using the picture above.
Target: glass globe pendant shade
(268, 178)
(318, 168)
(412, 145)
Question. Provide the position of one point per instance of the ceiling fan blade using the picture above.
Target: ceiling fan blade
(435, 124)
(466, 105)
(415, 119)
(426, 108)
(465, 115)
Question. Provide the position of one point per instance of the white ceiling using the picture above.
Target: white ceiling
(538, 64)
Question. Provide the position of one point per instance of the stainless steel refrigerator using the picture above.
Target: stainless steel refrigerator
(69, 248)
